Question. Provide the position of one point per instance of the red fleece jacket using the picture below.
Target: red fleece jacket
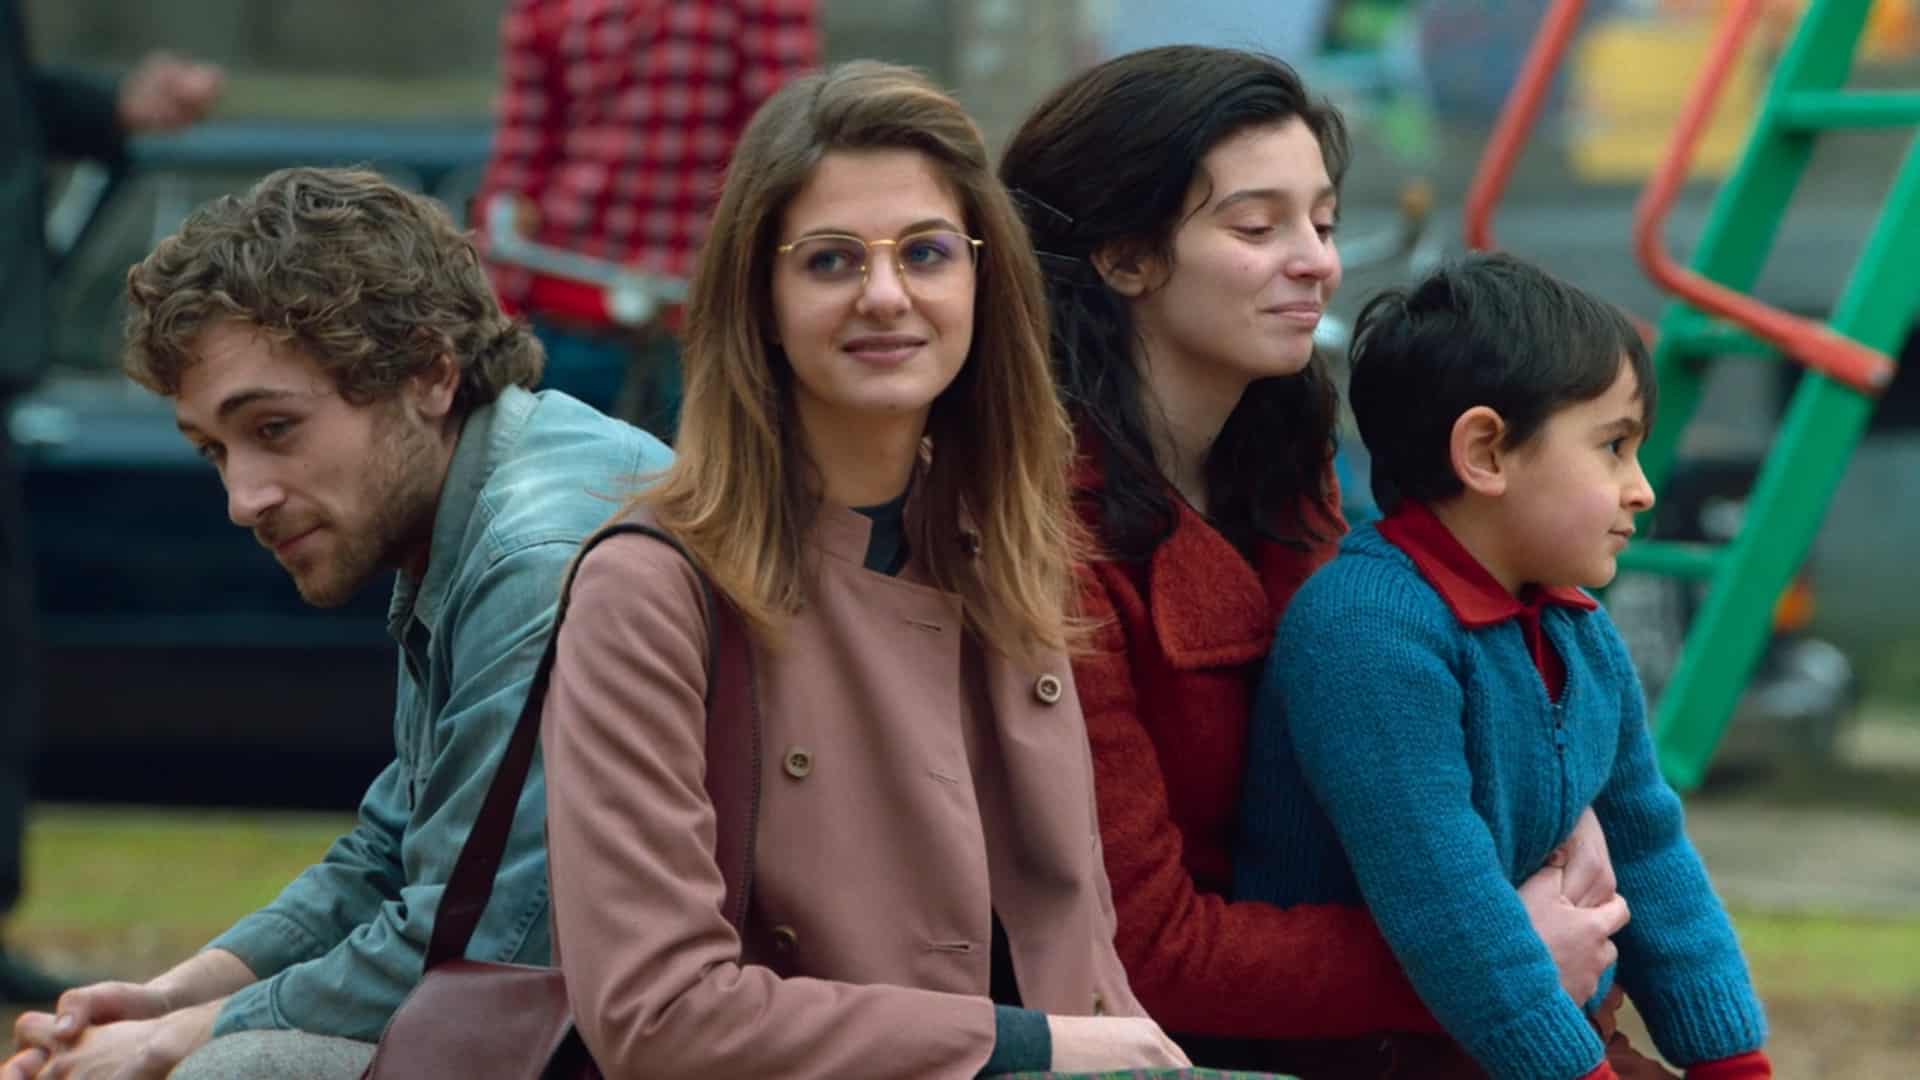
(1167, 689)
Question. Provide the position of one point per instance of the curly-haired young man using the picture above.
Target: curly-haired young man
(332, 347)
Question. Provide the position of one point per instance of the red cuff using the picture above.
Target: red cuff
(1752, 1065)
(1604, 1072)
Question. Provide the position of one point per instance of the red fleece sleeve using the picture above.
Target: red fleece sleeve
(1752, 1065)
(1603, 1072)
(1201, 964)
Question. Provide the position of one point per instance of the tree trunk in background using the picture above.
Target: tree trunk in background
(1007, 54)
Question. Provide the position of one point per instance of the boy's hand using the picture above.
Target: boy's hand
(1631, 1064)
(1626, 1062)
(1606, 1019)
(1579, 938)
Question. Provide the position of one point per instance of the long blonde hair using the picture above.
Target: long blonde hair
(739, 492)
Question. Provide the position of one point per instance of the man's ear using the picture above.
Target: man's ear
(1124, 270)
(1476, 451)
(433, 389)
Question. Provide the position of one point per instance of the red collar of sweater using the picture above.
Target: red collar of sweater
(1211, 607)
(1470, 589)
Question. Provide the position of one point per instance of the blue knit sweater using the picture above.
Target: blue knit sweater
(1402, 759)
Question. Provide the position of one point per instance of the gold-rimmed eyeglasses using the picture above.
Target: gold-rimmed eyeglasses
(927, 260)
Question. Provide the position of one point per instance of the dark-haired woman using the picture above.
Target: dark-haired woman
(1184, 201)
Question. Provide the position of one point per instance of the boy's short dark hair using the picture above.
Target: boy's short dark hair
(1487, 330)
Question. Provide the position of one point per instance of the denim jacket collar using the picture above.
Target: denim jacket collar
(485, 438)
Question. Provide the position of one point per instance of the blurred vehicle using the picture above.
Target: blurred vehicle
(180, 660)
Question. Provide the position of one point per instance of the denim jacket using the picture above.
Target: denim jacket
(342, 945)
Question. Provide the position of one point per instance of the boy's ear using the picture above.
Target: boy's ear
(1125, 271)
(1475, 450)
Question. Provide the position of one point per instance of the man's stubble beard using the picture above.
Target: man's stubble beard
(401, 485)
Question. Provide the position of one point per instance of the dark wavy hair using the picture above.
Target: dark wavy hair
(1107, 161)
(376, 281)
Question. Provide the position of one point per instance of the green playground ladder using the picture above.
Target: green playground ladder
(1847, 358)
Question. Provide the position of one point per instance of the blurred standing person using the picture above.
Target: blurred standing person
(617, 118)
(46, 113)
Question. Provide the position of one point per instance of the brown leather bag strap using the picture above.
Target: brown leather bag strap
(732, 778)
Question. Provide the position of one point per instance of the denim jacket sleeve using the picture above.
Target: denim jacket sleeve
(345, 943)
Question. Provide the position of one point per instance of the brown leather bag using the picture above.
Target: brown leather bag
(486, 1021)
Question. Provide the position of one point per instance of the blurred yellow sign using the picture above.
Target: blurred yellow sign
(1892, 33)
(1631, 75)
(1630, 78)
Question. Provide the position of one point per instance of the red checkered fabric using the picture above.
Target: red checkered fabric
(617, 118)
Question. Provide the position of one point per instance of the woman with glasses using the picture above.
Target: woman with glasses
(1184, 202)
(871, 473)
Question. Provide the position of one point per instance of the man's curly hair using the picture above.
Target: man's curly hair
(374, 281)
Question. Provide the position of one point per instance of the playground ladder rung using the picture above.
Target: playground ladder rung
(1828, 110)
(1673, 558)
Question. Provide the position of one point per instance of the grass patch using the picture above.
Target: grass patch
(1891, 675)
(1824, 956)
(129, 890)
(95, 875)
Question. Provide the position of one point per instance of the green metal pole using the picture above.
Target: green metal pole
(1823, 426)
(1746, 214)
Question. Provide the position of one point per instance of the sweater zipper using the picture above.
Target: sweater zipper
(1570, 814)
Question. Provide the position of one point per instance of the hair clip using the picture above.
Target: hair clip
(1067, 269)
(1042, 216)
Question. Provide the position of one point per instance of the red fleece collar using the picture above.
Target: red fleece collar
(1475, 595)
(1211, 607)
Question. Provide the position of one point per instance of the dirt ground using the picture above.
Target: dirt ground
(1832, 1039)
(1844, 841)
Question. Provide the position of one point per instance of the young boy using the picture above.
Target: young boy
(1443, 701)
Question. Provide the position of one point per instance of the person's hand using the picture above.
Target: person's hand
(1631, 1064)
(1111, 1043)
(105, 1003)
(164, 92)
(85, 1006)
(1579, 938)
(1589, 881)
(128, 1050)
(38, 1035)
(25, 1065)
(1606, 1019)
(133, 1049)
